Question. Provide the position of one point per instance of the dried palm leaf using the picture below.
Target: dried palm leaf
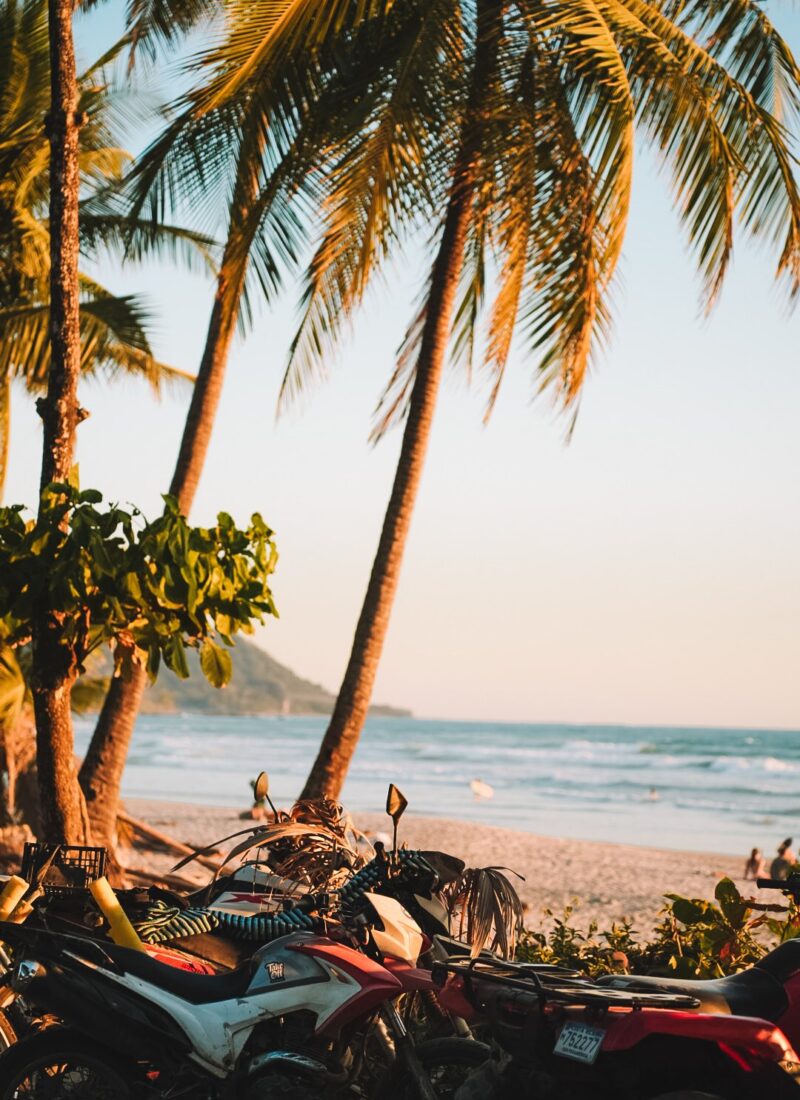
(487, 908)
(315, 843)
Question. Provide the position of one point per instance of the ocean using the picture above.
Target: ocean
(712, 790)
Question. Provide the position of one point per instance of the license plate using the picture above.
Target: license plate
(580, 1042)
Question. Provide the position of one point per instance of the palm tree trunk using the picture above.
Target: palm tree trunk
(5, 431)
(64, 818)
(101, 771)
(329, 770)
(341, 737)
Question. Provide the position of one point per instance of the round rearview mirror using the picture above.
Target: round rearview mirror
(261, 787)
(396, 803)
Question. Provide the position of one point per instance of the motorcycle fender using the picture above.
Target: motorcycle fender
(759, 1038)
(365, 983)
(411, 978)
(453, 999)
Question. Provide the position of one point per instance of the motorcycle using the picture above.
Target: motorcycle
(292, 1022)
(635, 1038)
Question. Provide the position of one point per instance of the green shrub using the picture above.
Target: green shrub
(694, 939)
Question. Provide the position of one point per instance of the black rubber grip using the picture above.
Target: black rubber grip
(776, 884)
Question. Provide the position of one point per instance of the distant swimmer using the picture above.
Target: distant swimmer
(481, 789)
(654, 796)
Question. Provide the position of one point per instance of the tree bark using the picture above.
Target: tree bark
(101, 772)
(63, 812)
(5, 431)
(328, 773)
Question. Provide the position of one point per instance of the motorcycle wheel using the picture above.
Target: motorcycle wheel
(278, 1087)
(448, 1063)
(58, 1064)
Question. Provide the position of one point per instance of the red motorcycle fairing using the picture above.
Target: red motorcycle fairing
(411, 978)
(377, 984)
(789, 1022)
(759, 1038)
(453, 1000)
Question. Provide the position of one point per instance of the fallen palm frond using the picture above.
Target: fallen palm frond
(315, 843)
(487, 909)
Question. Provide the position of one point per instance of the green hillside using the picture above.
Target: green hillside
(260, 685)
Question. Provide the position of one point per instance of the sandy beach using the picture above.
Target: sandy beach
(610, 881)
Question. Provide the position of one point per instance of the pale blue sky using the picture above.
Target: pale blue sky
(646, 573)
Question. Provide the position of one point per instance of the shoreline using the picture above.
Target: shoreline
(610, 881)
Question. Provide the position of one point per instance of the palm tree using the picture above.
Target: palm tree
(517, 120)
(113, 329)
(64, 816)
(233, 151)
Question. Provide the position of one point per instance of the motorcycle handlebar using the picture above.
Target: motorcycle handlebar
(778, 884)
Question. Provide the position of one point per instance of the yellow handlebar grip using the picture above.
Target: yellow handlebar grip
(12, 893)
(122, 931)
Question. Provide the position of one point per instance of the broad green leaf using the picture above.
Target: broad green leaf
(216, 664)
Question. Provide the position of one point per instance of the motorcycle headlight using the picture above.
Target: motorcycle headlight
(24, 973)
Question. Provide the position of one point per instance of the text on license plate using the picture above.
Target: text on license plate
(581, 1042)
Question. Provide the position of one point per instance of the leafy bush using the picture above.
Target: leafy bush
(149, 589)
(695, 938)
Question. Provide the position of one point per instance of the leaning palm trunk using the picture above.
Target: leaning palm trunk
(328, 773)
(101, 772)
(63, 811)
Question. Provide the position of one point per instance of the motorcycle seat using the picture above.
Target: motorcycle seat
(783, 961)
(755, 992)
(198, 989)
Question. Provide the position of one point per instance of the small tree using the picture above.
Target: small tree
(149, 590)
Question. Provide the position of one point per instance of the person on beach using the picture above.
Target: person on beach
(784, 861)
(756, 866)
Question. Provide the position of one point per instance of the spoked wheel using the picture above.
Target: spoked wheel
(448, 1063)
(60, 1065)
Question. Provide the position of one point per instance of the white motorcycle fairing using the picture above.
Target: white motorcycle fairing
(400, 936)
(287, 977)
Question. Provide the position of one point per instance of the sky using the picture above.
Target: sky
(647, 573)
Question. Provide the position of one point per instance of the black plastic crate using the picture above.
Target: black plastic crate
(70, 873)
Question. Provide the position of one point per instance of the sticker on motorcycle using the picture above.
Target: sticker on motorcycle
(276, 972)
(580, 1042)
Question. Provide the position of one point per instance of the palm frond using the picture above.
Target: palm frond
(113, 339)
(383, 172)
(486, 909)
(263, 32)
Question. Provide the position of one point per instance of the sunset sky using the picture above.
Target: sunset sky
(647, 573)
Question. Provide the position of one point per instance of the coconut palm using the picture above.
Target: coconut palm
(223, 165)
(113, 329)
(510, 125)
(261, 152)
(67, 113)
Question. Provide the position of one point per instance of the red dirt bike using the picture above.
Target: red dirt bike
(625, 1037)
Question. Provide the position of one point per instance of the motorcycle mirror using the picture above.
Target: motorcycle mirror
(261, 787)
(261, 792)
(396, 803)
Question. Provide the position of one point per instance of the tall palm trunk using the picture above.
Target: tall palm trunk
(341, 737)
(63, 810)
(104, 763)
(5, 430)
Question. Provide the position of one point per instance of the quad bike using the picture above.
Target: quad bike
(561, 1036)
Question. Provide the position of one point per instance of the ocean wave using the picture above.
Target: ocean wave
(769, 764)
